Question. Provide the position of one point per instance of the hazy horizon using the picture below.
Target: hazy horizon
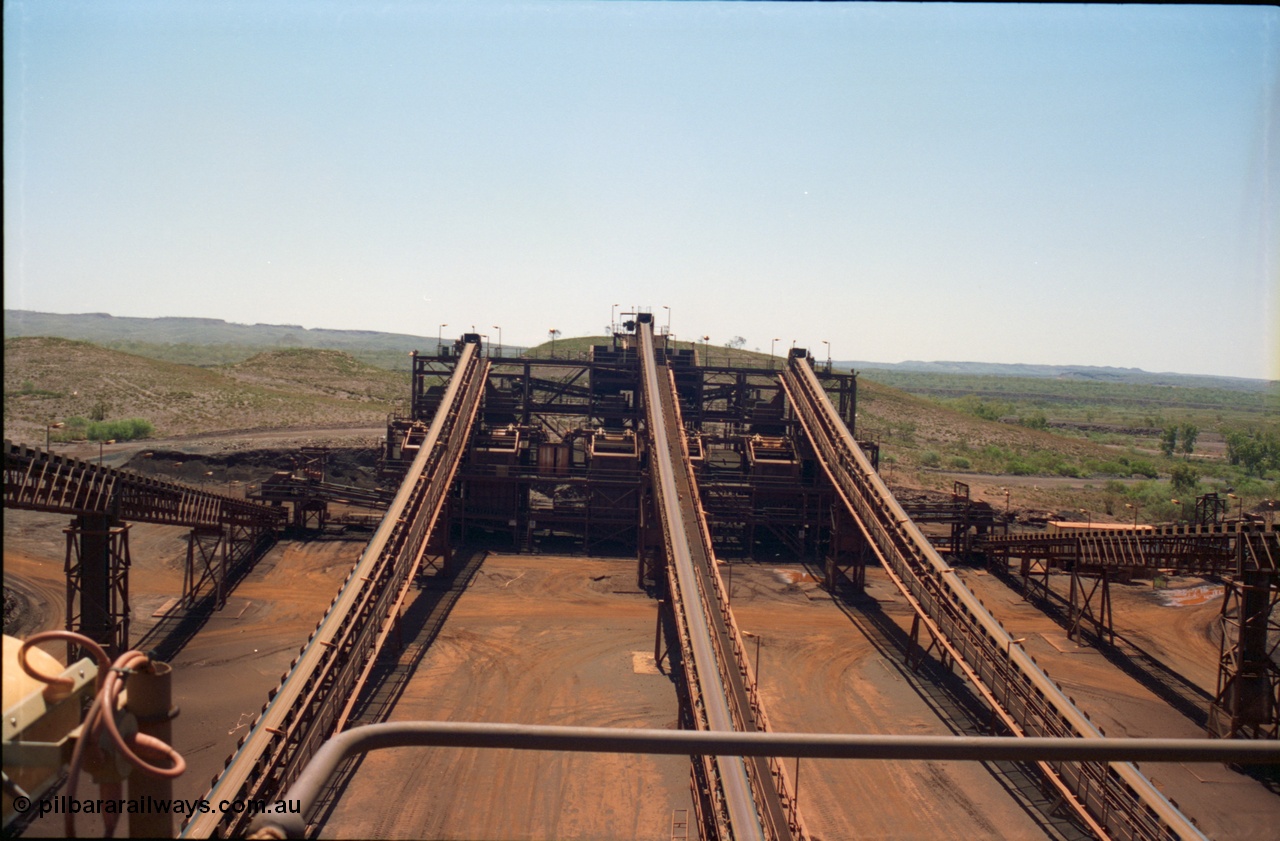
(816, 353)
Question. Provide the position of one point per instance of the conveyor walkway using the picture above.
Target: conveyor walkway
(1116, 800)
(748, 791)
(314, 699)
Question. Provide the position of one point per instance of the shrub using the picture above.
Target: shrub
(960, 463)
(1035, 420)
(1138, 467)
(930, 459)
(1184, 478)
(1018, 467)
(127, 429)
(1255, 451)
(979, 408)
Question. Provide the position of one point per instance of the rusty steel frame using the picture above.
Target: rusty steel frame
(101, 499)
(38, 481)
(1081, 606)
(547, 396)
(757, 796)
(314, 698)
(1114, 801)
(206, 562)
(97, 571)
(1247, 700)
(1095, 557)
(1178, 549)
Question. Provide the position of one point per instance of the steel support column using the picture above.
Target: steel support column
(206, 561)
(1248, 697)
(1081, 603)
(97, 570)
(847, 551)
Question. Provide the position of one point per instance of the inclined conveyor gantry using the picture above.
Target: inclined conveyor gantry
(748, 798)
(1116, 800)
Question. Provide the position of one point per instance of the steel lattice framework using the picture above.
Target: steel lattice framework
(1116, 801)
(314, 699)
(103, 501)
(36, 480)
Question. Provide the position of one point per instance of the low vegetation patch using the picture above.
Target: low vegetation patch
(125, 429)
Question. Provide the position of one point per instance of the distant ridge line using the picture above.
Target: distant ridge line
(190, 330)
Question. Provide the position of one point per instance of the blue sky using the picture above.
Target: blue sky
(1047, 184)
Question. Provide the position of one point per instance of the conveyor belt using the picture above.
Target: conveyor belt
(311, 702)
(1115, 800)
(747, 787)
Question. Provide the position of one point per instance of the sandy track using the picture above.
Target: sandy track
(533, 640)
(819, 672)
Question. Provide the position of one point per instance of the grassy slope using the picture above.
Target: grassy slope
(53, 379)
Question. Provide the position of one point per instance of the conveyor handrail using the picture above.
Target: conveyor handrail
(744, 820)
(301, 713)
(1116, 799)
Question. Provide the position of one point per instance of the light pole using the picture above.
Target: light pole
(488, 348)
(1088, 514)
(668, 309)
(1241, 501)
(102, 444)
(828, 344)
(553, 332)
(613, 319)
(772, 345)
(1135, 512)
(47, 427)
(1006, 502)
(705, 350)
(440, 338)
(499, 329)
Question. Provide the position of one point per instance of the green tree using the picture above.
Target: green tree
(1169, 440)
(1190, 432)
(1184, 478)
(1255, 451)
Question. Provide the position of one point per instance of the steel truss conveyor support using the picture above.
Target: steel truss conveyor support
(39, 481)
(103, 501)
(1115, 800)
(748, 797)
(315, 697)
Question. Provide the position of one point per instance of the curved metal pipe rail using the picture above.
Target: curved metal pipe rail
(1116, 800)
(306, 791)
(314, 698)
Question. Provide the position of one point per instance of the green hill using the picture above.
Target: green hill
(48, 380)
